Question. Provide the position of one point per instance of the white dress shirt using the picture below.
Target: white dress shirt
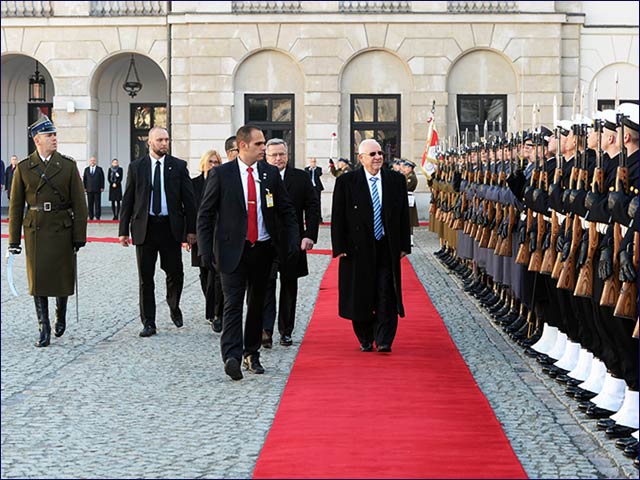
(244, 176)
(163, 201)
(378, 187)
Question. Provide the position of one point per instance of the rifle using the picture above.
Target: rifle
(506, 247)
(567, 278)
(535, 262)
(524, 255)
(550, 254)
(501, 213)
(488, 205)
(627, 305)
(584, 284)
(611, 288)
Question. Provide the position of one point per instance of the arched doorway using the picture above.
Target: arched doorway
(606, 78)
(17, 112)
(269, 93)
(375, 105)
(474, 97)
(121, 122)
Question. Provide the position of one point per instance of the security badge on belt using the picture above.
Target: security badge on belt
(269, 197)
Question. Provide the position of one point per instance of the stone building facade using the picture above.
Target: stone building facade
(304, 70)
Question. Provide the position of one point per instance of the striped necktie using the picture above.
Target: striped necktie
(378, 231)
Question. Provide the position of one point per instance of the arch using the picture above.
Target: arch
(271, 71)
(16, 70)
(627, 88)
(109, 117)
(499, 77)
(358, 76)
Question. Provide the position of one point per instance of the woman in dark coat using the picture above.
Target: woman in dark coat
(209, 279)
(115, 187)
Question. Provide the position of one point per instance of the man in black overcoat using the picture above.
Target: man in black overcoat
(370, 234)
(305, 202)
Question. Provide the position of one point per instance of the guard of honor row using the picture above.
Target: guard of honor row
(542, 227)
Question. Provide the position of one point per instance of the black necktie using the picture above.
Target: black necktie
(157, 203)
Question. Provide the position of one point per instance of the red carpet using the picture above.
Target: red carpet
(414, 413)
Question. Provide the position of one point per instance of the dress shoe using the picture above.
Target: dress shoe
(572, 382)
(597, 412)
(267, 339)
(605, 423)
(286, 341)
(383, 348)
(636, 461)
(232, 368)
(176, 317)
(216, 325)
(366, 347)
(564, 378)
(148, 331)
(619, 431)
(632, 452)
(584, 406)
(584, 395)
(625, 442)
(252, 363)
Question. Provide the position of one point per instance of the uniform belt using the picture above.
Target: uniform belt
(49, 207)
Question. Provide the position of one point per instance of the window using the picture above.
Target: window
(475, 109)
(377, 117)
(34, 112)
(145, 116)
(274, 115)
(610, 104)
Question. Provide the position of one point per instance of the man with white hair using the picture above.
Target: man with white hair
(370, 234)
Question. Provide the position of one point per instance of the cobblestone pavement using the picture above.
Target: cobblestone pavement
(101, 402)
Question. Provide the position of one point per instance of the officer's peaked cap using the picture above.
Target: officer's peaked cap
(42, 125)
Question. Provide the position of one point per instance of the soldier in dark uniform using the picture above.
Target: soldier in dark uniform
(412, 183)
(55, 224)
(115, 175)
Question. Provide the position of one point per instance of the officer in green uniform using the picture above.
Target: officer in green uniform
(55, 224)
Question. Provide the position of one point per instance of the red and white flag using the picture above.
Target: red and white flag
(429, 160)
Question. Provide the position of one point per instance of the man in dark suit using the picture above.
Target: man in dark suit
(370, 233)
(315, 172)
(159, 207)
(305, 202)
(93, 180)
(9, 173)
(244, 216)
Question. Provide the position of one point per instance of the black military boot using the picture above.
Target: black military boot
(60, 324)
(42, 310)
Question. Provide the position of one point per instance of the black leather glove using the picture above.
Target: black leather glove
(566, 199)
(632, 210)
(522, 233)
(627, 271)
(546, 240)
(78, 245)
(532, 240)
(555, 197)
(492, 224)
(516, 183)
(566, 249)
(15, 249)
(605, 266)
(617, 204)
(591, 199)
(559, 246)
(584, 249)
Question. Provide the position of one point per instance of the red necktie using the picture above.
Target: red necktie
(252, 225)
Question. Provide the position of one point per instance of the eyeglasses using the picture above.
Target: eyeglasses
(276, 154)
(233, 150)
(373, 154)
